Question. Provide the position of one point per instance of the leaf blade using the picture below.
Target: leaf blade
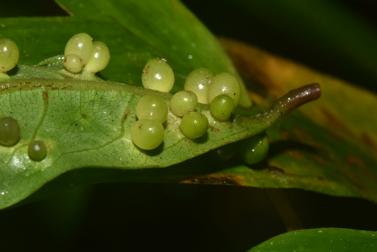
(325, 239)
(87, 124)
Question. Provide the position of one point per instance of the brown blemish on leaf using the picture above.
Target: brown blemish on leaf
(336, 124)
(275, 169)
(305, 137)
(355, 161)
(215, 179)
(125, 115)
(295, 154)
(367, 139)
(45, 96)
(214, 129)
(320, 160)
(300, 134)
(361, 170)
(284, 135)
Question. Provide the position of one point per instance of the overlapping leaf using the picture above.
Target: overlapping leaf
(330, 146)
(325, 239)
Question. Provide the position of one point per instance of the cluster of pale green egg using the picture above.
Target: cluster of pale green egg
(84, 56)
(221, 92)
(10, 135)
(81, 55)
(9, 128)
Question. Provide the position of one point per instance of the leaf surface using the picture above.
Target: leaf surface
(87, 124)
(321, 240)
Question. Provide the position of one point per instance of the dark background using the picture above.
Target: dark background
(139, 217)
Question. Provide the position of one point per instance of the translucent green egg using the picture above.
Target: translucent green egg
(226, 152)
(37, 150)
(73, 63)
(99, 58)
(152, 107)
(224, 83)
(194, 125)
(183, 102)
(9, 55)
(9, 131)
(222, 107)
(147, 134)
(80, 44)
(198, 82)
(158, 75)
(255, 149)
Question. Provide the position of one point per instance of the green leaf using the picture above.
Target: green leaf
(321, 240)
(185, 43)
(330, 146)
(87, 124)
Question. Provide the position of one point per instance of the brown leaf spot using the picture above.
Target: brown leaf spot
(355, 161)
(125, 115)
(275, 169)
(368, 140)
(284, 135)
(335, 123)
(215, 179)
(214, 129)
(303, 136)
(45, 96)
(295, 154)
(320, 159)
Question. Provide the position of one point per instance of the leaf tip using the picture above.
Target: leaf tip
(298, 97)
